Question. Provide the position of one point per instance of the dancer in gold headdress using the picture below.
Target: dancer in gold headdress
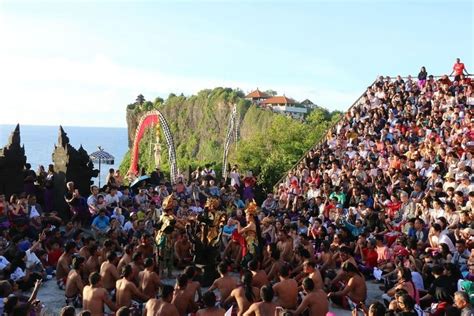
(213, 219)
(249, 234)
(164, 241)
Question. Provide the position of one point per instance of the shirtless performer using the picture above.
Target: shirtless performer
(244, 295)
(285, 245)
(126, 258)
(64, 263)
(109, 272)
(315, 301)
(259, 277)
(286, 290)
(108, 245)
(233, 252)
(92, 264)
(162, 306)
(266, 307)
(149, 281)
(273, 265)
(126, 290)
(355, 289)
(183, 299)
(345, 255)
(84, 251)
(74, 284)
(145, 247)
(309, 268)
(137, 266)
(193, 287)
(209, 299)
(94, 296)
(225, 284)
(182, 250)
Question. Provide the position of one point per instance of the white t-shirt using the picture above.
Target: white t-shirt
(444, 239)
(31, 259)
(234, 179)
(195, 209)
(435, 214)
(3, 262)
(17, 274)
(312, 193)
(34, 212)
(351, 153)
(109, 199)
(208, 172)
(128, 225)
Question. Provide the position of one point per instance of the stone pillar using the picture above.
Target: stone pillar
(12, 163)
(73, 165)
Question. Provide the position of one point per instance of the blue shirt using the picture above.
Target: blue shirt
(239, 204)
(355, 231)
(214, 191)
(102, 223)
(229, 229)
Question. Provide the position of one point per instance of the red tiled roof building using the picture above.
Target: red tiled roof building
(257, 95)
(279, 100)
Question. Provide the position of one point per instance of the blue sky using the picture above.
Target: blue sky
(80, 62)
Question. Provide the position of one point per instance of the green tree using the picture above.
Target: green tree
(158, 101)
(271, 153)
(140, 99)
(271, 92)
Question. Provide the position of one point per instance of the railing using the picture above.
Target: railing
(324, 138)
(320, 141)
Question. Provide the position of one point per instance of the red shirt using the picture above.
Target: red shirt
(371, 257)
(393, 209)
(53, 257)
(458, 68)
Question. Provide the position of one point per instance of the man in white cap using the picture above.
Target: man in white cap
(449, 181)
(465, 186)
(350, 152)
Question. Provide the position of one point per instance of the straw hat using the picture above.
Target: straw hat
(449, 175)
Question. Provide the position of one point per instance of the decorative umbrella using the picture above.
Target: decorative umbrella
(138, 181)
(101, 156)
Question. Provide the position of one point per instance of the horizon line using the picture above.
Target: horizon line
(64, 126)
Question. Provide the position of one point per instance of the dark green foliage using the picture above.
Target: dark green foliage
(269, 143)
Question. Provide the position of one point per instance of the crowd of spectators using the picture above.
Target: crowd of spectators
(387, 196)
(393, 181)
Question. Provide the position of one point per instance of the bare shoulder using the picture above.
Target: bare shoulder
(151, 302)
(170, 309)
(101, 292)
(311, 297)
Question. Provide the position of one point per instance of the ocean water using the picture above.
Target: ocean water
(39, 142)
